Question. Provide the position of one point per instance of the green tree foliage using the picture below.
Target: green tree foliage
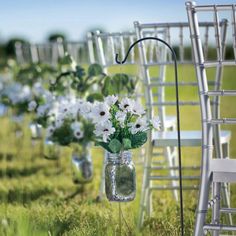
(55, 36)
(10, 46)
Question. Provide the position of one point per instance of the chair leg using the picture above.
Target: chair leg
(202, 205)
(149, 201)
(226, 201)
(145, 200)
(216, 207)
(169, 152)
(225, 188)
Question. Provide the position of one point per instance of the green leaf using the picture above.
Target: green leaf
(126, 143)
(95, 97)
(107, 88)
(115, 145)
(104, 145)
(138, 139)
(66, 60)
(94, 70)
(80, 72)
(63, 135)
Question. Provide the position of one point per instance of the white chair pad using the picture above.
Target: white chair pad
(188, 138)
(223, 170)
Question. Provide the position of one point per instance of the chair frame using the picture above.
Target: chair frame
(167, 139)
(214, 171)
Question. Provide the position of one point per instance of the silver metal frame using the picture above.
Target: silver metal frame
(167, 138)
(218, 171)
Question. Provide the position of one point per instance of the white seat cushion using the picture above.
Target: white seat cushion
(188, 138)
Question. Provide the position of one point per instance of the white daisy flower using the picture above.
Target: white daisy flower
(43, 110)
(64, 107)
(84, 108)
(76, 125)
(138, 126)
(54, 109)
(78, 133)
(137, 109)
(121, 116)
(111, 100)
(38, 89)
(32, 105)
(26, 93)
(59, 121)
(156, 123)
(126, 104)
(104, 130)
(48, 96)
(49, 131)
(100, 112)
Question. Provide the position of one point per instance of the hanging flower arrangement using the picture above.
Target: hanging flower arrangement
(121, 125)
(70, 122)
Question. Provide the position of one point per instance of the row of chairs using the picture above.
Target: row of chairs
(50, 53)
(216, 167)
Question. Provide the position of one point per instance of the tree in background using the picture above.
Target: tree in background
(10, 46)
(57, 36)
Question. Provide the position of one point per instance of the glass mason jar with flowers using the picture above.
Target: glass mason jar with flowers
(70, 125)
(119, 127)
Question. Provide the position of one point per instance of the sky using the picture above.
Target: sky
(34, 20)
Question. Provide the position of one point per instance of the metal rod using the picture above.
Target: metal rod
(181, 103)
(175, 167)
(228, 210)
(221, 121)
(172, 24)
(221, 93)
(170, 187)
(177, 114)
(219, 227)
(173, 177)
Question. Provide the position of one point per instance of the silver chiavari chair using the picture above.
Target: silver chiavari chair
(166, 140)
(50, 53)
(78, 51)
(104, 45)
(23, 53)
(47, 53)
(216, 169)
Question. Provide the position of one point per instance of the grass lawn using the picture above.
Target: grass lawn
(36, 194)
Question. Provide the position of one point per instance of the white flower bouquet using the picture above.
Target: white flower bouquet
(17, 97)
(70, 123)
(120, 126)
(42, 104)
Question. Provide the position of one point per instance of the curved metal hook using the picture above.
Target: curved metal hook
(143, 39)
(177, 114)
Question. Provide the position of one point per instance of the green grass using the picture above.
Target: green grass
(35, 193)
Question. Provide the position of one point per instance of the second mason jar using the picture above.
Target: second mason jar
(82, 166)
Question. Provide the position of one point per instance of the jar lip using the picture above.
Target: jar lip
(126, 155)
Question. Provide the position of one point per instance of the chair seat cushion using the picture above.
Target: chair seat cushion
(188, 138)
(223, 170)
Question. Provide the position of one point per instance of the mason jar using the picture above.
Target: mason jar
(36, 130)
(120, 177)
(51, 150)
(82, 166)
